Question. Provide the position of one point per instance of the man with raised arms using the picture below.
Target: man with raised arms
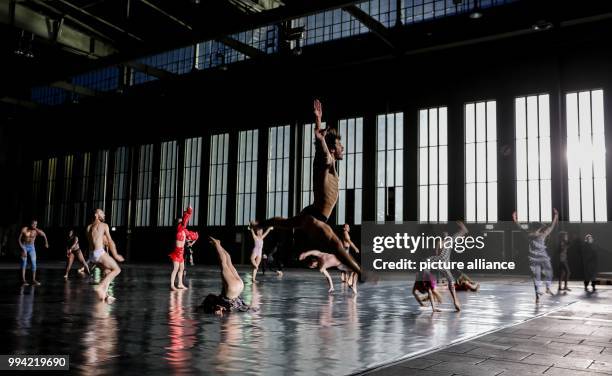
(313, 219)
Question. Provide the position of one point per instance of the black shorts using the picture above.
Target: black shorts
(311, 210)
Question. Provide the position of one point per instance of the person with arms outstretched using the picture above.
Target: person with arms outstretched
(27, 239)
(539, 261)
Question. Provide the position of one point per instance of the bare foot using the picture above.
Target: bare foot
(353, 287)
(457, 307)
(173, 288)
(331, 290)
(35, 282)
(25, 283)
(109, 299)
(182, 287)
(66, 276)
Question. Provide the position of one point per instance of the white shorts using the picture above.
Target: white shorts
(95, 255)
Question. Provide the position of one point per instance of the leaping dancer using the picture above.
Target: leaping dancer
(313, 219)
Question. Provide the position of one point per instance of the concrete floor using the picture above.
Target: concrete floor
(575, 340)
(299, 329)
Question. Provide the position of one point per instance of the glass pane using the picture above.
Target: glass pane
(470, 125)
(442, 121)
(544, 115)
(519, 116)
(481, 202)
(423, 134)
(423, 203)
(423, 166)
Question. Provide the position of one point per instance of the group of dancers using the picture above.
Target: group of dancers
(324, 249)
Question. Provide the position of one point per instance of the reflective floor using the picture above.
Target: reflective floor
(299, 328)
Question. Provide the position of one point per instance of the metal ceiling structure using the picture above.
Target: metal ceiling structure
(48, 41)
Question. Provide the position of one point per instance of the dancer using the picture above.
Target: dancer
(177, 256)
(258, 239)
(229, 300)
(589, 260)
(97, 232)
(444, 256)
(313, 219)
(273, 262)
(323, 261)
(189, 250)
(564, 269)
(425, 283)
(539, 261)
(27, 238)
(72, 250)
(465, 283)
(348, 244)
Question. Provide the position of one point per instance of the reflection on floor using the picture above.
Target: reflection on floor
(575, 340)
(299, 328)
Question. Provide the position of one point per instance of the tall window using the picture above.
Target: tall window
(100, 179)
(81, 206)
(120, 187)
(191, 176)
(50, 199)
(278, 171)
(217, 189)
(351, 171)
(389, 167)
(586, 156)
(36, 181)
(65, 216)
(247, 176)
(433, 165)
(308, 153)
(144, 189)
(481, 162)
(533, 188)
(167, 184)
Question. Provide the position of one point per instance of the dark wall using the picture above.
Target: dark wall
(276, 92)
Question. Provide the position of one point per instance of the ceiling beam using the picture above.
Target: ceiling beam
(15, 14)
(20, 102)
(81, 90)
(150, 70)
(168, 15)
(244, 48)
(371, 23)
(83, 12)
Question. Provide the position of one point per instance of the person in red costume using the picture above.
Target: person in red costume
(177, 256)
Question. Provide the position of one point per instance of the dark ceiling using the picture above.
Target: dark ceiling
(74, 36)
(68, 37)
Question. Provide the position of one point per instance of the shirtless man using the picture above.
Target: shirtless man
(313, 219)
(97, 231)
(27, 238)
(323, 261)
